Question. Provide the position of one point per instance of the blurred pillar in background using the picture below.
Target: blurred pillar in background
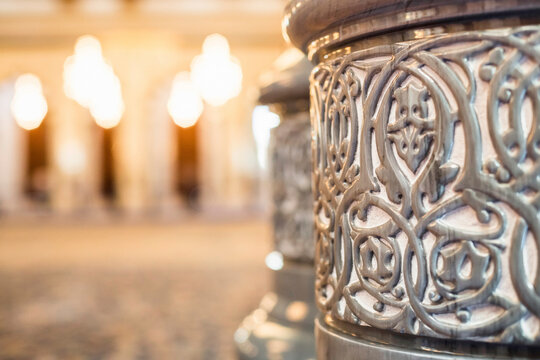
(144, 140)
(12, 161)
(75, 164)
(426, 172)
(215, 152)
(282, 327)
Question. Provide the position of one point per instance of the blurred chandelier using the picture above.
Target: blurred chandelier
(28, 105)
(185, 105)
(91, 81)
(216, 74)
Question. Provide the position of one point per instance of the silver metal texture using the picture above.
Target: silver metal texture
(427, 186)
(315, 24)
(337, 345)
(291, 188)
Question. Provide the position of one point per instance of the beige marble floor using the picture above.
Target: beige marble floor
(129, 290)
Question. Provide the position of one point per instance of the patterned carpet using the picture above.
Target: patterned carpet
(128, 291)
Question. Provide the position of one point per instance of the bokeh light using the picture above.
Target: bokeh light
(91, 81)
(84, 70)
(185, 104)
(216, 74)
(28, 105)
(274, 260)
(216, 45)
(107, 105)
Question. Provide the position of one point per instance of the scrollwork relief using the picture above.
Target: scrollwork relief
(291, 184)
(426, 173)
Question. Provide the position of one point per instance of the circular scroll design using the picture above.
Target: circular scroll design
(426, 178)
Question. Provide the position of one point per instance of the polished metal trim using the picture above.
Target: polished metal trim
(312, 24)
(333, 344)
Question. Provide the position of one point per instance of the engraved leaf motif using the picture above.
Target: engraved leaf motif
(412, 132)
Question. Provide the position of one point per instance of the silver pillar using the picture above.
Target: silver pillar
(426, 168)
(282, 327)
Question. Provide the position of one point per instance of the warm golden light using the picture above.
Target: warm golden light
(91, 81)
(84, 70)
(216, 74)
(71, 157)
(216, 45)
(107, 105)
(28, 106)
(185, 104)
(87, 46)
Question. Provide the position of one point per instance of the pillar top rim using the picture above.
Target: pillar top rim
(286, 84)
(311, 25)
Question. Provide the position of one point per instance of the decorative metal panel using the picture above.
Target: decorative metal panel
(427, 186)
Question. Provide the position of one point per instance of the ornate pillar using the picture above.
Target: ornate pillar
(426, 172)
(282, 327)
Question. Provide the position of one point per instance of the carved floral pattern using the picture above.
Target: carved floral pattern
(291, 185)
(427, 186)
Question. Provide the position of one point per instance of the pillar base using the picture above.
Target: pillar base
(376, 344)
(282, 326)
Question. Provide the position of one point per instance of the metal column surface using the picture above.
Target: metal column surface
(426, 170)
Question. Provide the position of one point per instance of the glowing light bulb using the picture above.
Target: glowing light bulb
(216, 74)
(216, 45)
(91, 81)
(28, 105)
(84, 70)
(185, 105)
(107, 106)
(87, 46)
